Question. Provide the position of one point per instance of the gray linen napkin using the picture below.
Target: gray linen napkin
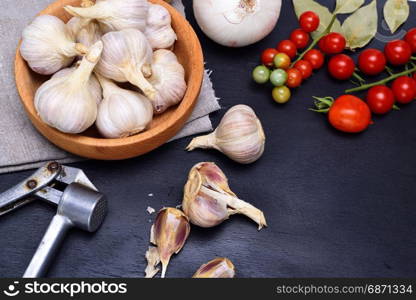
(21, 146)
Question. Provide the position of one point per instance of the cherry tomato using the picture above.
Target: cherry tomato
(333, 43)
(414, 76)
(294, 78)
(410, 38)
(398, 52)
(281, 94)
(341, 67)
(278, 77)
(282, 61)
(305, 68)
(380, 99)
(321, 43)
(300, 38)
(267, 56)
(309, 21)
(404, 89)
(288, 47)
(315, 57)
(261, 74)
(372, 62)
(349, 114)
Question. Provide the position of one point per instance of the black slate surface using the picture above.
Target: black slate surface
(337, 205)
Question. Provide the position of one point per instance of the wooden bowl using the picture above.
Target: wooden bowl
(163, 127)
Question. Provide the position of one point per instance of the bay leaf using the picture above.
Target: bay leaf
(323, 12)
(361, 27)
(396, 12)
(348, 6)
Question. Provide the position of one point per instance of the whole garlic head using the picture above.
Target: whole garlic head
(67, 102)
(115, 15)
(48, 45)
(127, 56)
(239, 135)
(168, 78)
(159, 31)
(122, 113)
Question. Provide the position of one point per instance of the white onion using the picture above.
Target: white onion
(237, 23)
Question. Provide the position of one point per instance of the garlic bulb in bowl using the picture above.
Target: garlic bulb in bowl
(48, 45)
(66, 102)
(237, 23)
(122, 113)
(86, 31)
(159, 31)
(168, 78)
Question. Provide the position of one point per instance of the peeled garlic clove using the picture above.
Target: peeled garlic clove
(159, 31)
(239, 135)
(122, 113)
(169, 234)
(127, 56)
(168, 78)
(67, 102)
(208, 200)
(48, 45)
(115, 15)
(216, 268)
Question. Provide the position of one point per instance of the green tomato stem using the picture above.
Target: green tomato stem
(381, 82)
(358, 77)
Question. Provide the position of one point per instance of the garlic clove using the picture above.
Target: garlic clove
(168, 78)
(208, 200)
(169, 233)
(115, 15)
(216, 268)
(159, 31)
(122, 113)
(239, 136)
(153, 259)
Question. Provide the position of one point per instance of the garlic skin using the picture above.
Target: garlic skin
(48, 45)
(127, 56)
(114, 15)
(67, 102)
(208, 200)
(122, 113)
(159, 31)
(237, 23)
(86, 31)
(216, 268)
(168, 78)
(169, 233)
(239, 136)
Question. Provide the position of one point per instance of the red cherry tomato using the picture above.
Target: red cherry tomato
(300, 38)
(398, 52)
(380, 99)
(349, 114)
(341, 67)
(414, 76)
(294, 78)
(315, 57)
(410, 38)
(372, 62)
(404, 89)
(287, 47)
(333, 43)
(267, 56)
(305, 68)
(309, 21)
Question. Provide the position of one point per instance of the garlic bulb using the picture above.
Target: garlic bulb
(66, 102)
(93, 84)
(237, 23)
(115, 15)
(127, 56)
(122, 113)
(159, 31)
(208, 200)
(86, 31)
(239, 135)
(216, 268)
(48, 45)
(168, 78)
(169, 233)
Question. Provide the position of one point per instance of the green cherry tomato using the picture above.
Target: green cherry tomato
(281, 94)
(282, 61)
(261, 74)
(278, 77)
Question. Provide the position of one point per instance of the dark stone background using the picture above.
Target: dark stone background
(337, 205)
